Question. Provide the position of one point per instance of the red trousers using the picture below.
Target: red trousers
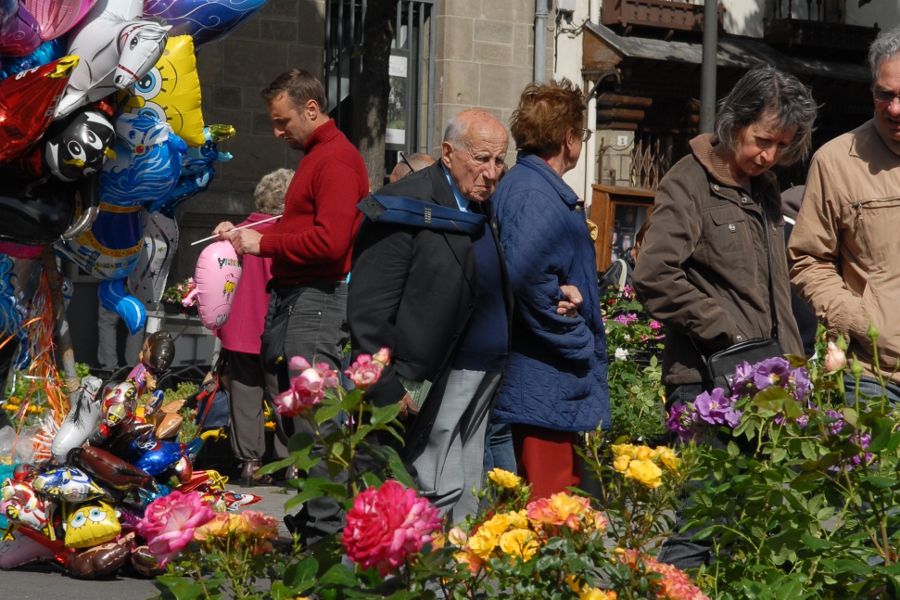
(546, 458)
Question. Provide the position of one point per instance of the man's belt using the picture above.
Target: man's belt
(409, 211)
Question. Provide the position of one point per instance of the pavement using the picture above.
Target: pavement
(46, 582)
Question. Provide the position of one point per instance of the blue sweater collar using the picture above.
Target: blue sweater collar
(562, 188)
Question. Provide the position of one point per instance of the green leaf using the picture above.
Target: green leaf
(327, 413)
(302, 572)
(351, 401)
(814, 543)
(894, 443)
(881, 482)
(850, 415)
(881, 434)
(733, 450)
(183, 588)
(300, 441)
(384, 414)
(339, 575)
(808, 449)
(398, 470)
(275, 466)
(316, 488)
(779, 454)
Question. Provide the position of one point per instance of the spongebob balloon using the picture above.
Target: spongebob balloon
(92, 524)
(171, 91)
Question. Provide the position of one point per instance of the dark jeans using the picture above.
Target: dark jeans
(317, 331)
(498, 448)
(678, 549)
(870, 388)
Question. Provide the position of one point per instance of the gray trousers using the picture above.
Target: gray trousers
(248, 384)
(451, 464)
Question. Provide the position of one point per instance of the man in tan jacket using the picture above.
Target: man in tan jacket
(845, 246)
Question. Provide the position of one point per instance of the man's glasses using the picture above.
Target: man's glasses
(406, 162)
(885, 96)
(586, 133)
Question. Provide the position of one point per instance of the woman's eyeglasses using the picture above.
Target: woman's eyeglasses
(585, 133)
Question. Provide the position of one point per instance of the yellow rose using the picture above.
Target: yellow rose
(483, 542)
(629, 450)
(504, 479)
(643, 453)
(519, 542)
(589, 593)
(518, 519)
(438, 540)
(646, 472)
(668, 458)
(621, 463)
(573, 582)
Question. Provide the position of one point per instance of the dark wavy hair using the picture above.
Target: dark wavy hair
(768, 90)
(300, 86)
(545, 114)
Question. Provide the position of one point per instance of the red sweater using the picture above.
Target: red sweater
(314, 239)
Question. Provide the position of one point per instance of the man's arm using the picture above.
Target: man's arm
(815, 250)
(336, 191)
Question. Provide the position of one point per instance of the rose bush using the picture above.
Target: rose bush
(169, 522)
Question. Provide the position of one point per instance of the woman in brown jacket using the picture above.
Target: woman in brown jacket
(703, 268)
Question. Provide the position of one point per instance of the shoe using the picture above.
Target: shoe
(249, 469)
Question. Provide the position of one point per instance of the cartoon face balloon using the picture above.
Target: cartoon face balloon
(69, 484)
(217, 275)
(82, 148)
(119, 403)
(92, 524)
(171, 91)
(20, 504)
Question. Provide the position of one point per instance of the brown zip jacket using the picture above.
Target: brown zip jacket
(846, 243)
(702, 269)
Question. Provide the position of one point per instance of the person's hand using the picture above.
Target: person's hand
(223, 227)
(245, 241)
(407, 407)
(569, 306)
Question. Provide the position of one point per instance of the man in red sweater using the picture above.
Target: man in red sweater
(312, 244)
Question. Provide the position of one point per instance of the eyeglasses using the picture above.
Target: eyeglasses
(882, 95)
(586, 133)
(406, 162)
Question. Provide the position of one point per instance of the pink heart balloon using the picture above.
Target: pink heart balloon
(56, 17)
(23, 37)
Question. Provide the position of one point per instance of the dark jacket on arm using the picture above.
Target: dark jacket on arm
(413, 290)
(703, 270)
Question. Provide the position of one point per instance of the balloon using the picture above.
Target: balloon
(119, 49)
(92, 524)
(119, 404)
(20, 504)
(204, 20)
(103, 559)
(18, 549)
(111, 469)
(46, 52)
(145, 562)
(19, 279)
(23, 36)
(26, 104)
(217, 275)
(56, 17)
(80, 421)
(42, 214)
(148, 279)
(171, 91)
(82, 148)
(8, 10)
(68, 484)
(113, 297)
(160, 457)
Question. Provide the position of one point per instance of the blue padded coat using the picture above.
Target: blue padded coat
(557, 369)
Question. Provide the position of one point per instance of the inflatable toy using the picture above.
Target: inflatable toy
(67, 484)
(37, 214)
(45, 53)
(22, 36)
(217, 275)
(17, 549)
(204, 20)
(92, 524)
(81, 420)
(56, 17)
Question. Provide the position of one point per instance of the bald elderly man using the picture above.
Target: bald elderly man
(437, 295)
(410, 164)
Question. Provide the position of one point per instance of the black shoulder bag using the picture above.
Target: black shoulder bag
(721, 365)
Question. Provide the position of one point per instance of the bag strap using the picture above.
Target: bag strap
(623, 274)
(772, 308)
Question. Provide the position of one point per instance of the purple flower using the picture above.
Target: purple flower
(732, 417)
(743, 377)
(775, 370)
(712, 407)
(681, 420)
(835, 427)
(803, 420)
(862, 440)
(654, 324)
(802, 384)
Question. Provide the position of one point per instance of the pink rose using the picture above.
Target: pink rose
(364, 372)
(386, 525)
(307, 388)
(383, 356)
(835, 358)
(169, 523)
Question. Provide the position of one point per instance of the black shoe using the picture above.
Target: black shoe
(249, 469)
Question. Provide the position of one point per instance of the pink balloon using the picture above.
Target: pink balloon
(217, 275)
(56, 17)
(23, 37)
(21, 550)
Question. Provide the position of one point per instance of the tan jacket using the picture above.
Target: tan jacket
(702, 269)
(846, 243)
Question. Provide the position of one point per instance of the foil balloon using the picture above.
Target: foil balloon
(111, 469)
(19, 279)
(81, 420)
(20, 504)
(56, 17)
(217, 275)
(27, 101)
(160, 457)
(92, 524)
(102, 560)
(17, 549)
(145, 562)
(204, 20)
(67, 484)
(119, 404)
(160, 241)
(45, 53)
(41, 213)
(113, 297)
(73, 150)
(8, 10)
(119, 49)
(23, 36)
(171, 91)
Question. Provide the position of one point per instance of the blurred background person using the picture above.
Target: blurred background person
(620, 273)
(555, 385)
(249, 384)
(410, 164)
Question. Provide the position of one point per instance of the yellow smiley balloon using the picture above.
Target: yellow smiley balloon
(171, 91)
(92, 524)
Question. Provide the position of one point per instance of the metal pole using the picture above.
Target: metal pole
(429, 134)
(540, 41)
(708, 68)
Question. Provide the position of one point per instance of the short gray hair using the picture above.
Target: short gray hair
(455, 133)
(270, 191)
(768, 90)
(884, 47)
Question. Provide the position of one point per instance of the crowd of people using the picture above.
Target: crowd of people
(483, 284)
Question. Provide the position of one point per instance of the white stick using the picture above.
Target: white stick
(236, 228)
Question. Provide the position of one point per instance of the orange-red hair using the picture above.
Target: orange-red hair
(545, 114)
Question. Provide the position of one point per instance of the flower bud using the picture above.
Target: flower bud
(872, 332)
(835, 358)
(842, 342)
(855, 367)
